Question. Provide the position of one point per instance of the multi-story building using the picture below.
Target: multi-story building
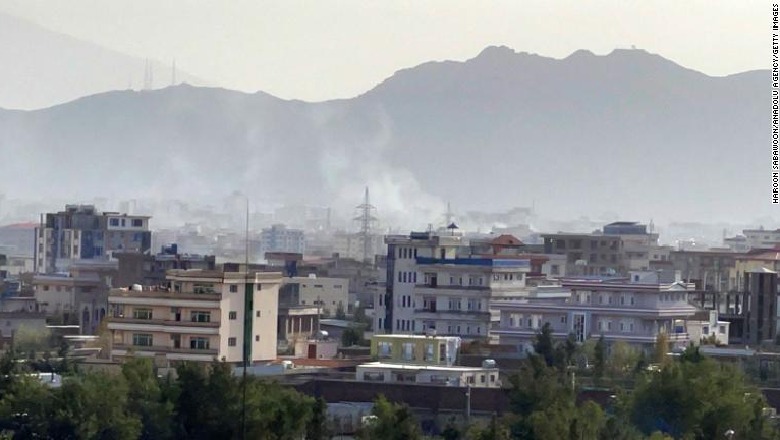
(423, 359)
(638, 244)
(279, 238)
(82, 233)
(588, 254)
(135, 268)
(633, 310)
(710, 270)
(761, 238)
(435, 285)
(353, 245)
(329, 294)
(200, 315)
(79, 296)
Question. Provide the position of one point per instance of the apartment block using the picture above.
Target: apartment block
(82, 233)
(279, 238)
(435, 286)
(633, 310)
(200, 315)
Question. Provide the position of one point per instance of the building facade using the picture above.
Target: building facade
(423, 359)
(82, 233)
(632, 310)
(199, 316)
(329, 294)
(279, 238)
(435, 286)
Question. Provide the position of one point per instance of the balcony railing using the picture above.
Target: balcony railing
(171, 322)
(165, 349)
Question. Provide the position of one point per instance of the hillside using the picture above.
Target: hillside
(629, 132)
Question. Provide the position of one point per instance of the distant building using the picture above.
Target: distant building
(633, 310)
(200, 315)
(351, 245)
(150, 270)
(329, 294)
(637, 244)
(82, 233)
(18, 239)
(752, 310)
(761, 238)
(279, 238)
(77, 297)
(588, 254)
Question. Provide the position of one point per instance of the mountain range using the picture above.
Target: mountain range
(629, 132)
(42, 67)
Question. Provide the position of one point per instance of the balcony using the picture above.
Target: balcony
(163, 326)
(432, 313)
(164, 349)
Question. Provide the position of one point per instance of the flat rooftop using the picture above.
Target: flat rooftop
(413, 367)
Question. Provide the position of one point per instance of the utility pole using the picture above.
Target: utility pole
(468, 402)
(247, 292)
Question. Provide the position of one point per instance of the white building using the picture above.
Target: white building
(352, 245)
(634, 311)
(434, 288)
(424, 359)
(199, 316)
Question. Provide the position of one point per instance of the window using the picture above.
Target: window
(113, 222)
(407, 351)
(231, 342)
(203, 288)
(258, 314)
(384, 350)
(199, 343)
(142, 314)
(428, 354)
(138, 223)
(563, 319)
(257, 338)
(722, 329)
(142, 339)
(200, 316)
(234, 288)
(232, 315)
(705, 330)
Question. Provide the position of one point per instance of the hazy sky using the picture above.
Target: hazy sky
(316, 50)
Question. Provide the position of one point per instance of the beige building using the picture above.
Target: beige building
(328, 293)
(200, 315)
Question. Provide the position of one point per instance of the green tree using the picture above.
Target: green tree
(146, 399)
(661, 356)
(340, 313)
(589, 422)
(623, 358)
(544, 346)
(541, 400)
(353, 335)
(599, 357)
(318, 427)
(391, 422)
(451, 431)
(698, 398)
(93, 406)
(495, 430)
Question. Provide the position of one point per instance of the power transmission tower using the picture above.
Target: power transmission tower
(367, 221)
